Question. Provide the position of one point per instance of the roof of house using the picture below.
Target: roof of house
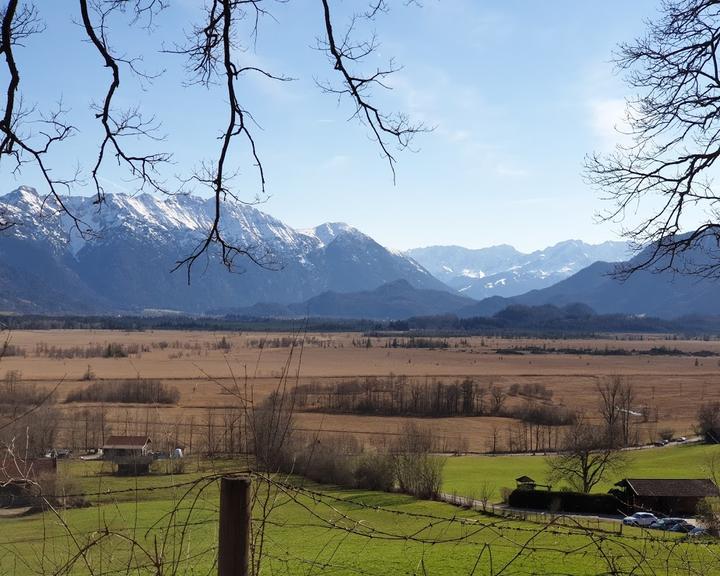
(525, 480)
(127, 442)
(19, 469)
(677, 487)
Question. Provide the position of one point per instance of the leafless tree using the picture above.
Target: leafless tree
(497, 399)
(674, 128)
(708, 422)
(585, 459)
(616, 398)
(417, 470)
(214, 50)
(486, 491)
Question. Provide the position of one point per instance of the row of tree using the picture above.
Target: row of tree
(401, 396)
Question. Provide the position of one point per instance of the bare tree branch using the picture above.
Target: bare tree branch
(214, 50)
(346, 53)
(674, 127)
(117, 125)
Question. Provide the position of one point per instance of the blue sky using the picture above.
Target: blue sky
(517, 92)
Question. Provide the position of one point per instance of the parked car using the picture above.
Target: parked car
(640, 519)
(698, 531)
(666, 523)
(683, 527)
(58, 453)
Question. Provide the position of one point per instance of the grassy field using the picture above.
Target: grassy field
(137, 525)
(195, 362)
(168, 524)
(464, 475)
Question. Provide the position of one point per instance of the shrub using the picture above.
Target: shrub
(329, 461)
(561, 501)
(169, 466)
(709, 422)
(62, 491)
(418, 472)
(505, 494)
(375, 472)
(708, 510)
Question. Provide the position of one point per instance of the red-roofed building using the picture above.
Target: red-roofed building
(132, 454)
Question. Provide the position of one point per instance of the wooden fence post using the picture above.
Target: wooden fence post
(235, 514)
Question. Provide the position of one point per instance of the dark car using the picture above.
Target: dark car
(666, 523)
(682, 527)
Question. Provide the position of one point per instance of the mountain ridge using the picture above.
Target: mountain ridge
(123, 264)
(655, 292)
(503, 270)
(395, 300)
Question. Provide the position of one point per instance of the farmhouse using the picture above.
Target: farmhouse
(669, 496)
(131, 454)
(20, 479)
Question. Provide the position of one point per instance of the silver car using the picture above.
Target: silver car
(640, 519)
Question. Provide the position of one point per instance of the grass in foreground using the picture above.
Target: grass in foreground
(317, 530)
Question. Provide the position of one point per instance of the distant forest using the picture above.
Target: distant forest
(571, 321)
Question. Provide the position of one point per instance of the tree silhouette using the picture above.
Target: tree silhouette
(213, 53)
(673, 125)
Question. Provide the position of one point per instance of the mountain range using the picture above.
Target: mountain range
(332, 271)
(664, 294)
(124, 266)
(504, 271)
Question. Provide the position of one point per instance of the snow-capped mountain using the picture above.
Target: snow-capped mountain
(129, 245)
(656, 292)
(504, 271)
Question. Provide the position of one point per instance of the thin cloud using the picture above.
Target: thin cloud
(609, 121)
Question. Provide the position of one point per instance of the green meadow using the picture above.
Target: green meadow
(465, 475)
(168, 524)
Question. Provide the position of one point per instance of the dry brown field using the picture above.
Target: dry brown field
(205, 374)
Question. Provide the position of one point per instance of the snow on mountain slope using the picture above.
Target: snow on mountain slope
(504, 271)
(131, 243)
(327, 232)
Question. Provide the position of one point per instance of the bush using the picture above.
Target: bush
(326, 464)
(575, 502)
(170, 466)
(375, 472)
(418, 472)
(340, 460)
(709, 422)
(419, 475)
(505, 494)
(708, 510)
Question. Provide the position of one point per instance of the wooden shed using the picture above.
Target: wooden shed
(132, 454)
(674, 497)
(526, 483)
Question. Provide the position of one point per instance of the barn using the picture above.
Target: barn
(132, 454)
(678, 496)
